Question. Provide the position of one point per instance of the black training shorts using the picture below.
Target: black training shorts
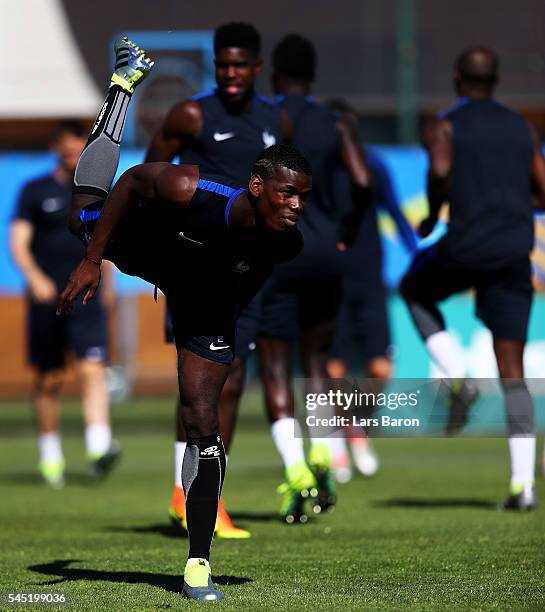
(292, 306)
(503, 295)
(84, 333)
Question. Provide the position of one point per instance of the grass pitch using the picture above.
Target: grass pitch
(423, 534)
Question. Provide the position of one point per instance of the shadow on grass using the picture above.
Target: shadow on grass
(418, 502)
(79, 479)
(258, 517)
(168, 530)
(168, 582)
(22, 478)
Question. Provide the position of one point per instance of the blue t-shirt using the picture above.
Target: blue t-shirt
(45, 203)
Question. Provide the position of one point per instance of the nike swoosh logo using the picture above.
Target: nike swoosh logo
(219, 136)
(218, 348)
(182, 235)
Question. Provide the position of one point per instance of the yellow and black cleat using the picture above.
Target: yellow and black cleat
(132, 65)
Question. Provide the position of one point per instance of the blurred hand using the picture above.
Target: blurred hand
(350, 227)
(42, 289)
(86, 277)
(426, 226)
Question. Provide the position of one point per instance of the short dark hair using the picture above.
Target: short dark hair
(237, 34)
(294, 56)
(280, 155)
(478, 65)
(69, 126)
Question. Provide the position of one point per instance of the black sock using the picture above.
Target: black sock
(203, 471)
(99, 160)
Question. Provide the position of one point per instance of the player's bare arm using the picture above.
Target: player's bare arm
(537, 171)
(353, 159)
(157, 182)
(437, 139)
(179, 130)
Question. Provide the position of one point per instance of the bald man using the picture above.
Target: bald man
(486, 161)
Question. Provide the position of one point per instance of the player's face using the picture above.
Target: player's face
(68, 147)
(282, 198)
(236, 71)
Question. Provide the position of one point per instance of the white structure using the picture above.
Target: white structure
(43, 73)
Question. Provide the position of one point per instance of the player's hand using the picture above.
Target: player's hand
(350, 227)
(426, 226)
(86, 277)
(42, 289)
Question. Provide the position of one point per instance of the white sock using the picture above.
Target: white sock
(446, 354)
(49, 445)
(288, 440)
(98, 439)
(179, 452)
(522, 450)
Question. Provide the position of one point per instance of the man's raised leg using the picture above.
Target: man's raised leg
(100, 157)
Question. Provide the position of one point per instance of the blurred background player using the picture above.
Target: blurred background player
(223, 131)
(485, 160)
(362, 334)
(301, 300)
(46, 252)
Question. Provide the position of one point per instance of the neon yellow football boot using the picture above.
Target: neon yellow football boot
(300, 485)
(198, 582)
(53, 473)
(132, 65)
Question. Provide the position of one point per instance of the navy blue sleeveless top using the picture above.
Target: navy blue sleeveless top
(229, 144)
(491, 220)
(315, 134)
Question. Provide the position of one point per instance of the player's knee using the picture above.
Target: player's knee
(379, 367)
(274, 373)
(91, 372)
(199, 422)
(316, 366)
(510, 372)
(49, 383)
(234, 385)
(199, 416)
(336, 368)
(509, 357)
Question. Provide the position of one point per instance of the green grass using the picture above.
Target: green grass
(423, 534)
